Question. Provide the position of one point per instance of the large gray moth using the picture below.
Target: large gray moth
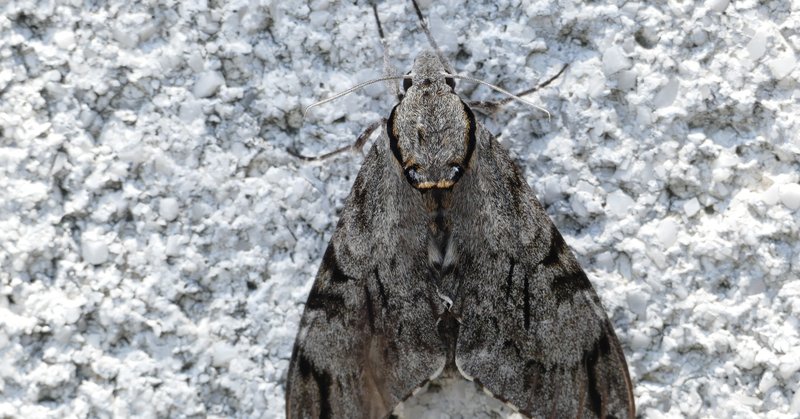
(444, 263)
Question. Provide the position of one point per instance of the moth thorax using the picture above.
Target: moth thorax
(437, 200)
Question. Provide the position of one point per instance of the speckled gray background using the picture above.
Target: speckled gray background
(157, 243)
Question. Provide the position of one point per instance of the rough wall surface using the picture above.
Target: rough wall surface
(157, 242)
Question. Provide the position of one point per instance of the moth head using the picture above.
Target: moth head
(431, 131)
(428, 74)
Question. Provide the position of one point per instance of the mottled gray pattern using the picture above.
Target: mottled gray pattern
(443, 260)
(533, 330)
(368, 338)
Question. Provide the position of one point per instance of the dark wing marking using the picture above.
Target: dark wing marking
(533, 331)
(368, 336)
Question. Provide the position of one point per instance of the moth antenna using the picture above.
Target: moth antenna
(353, 89)
(499, 89)
(388, 68)
(424, 25)
(535, 88)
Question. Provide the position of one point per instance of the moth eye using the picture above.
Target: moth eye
(411, 175)
(456, 171)
(450, 82)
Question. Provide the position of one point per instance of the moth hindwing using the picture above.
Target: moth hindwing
(444, 262)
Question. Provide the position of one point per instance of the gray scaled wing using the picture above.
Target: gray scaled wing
(533, 331)
(368, 335)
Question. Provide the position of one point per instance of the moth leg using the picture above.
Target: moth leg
(487, 107)
(424, 25)
(388, 68)
(357, 145)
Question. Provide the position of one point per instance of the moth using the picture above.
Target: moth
(443, 262)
